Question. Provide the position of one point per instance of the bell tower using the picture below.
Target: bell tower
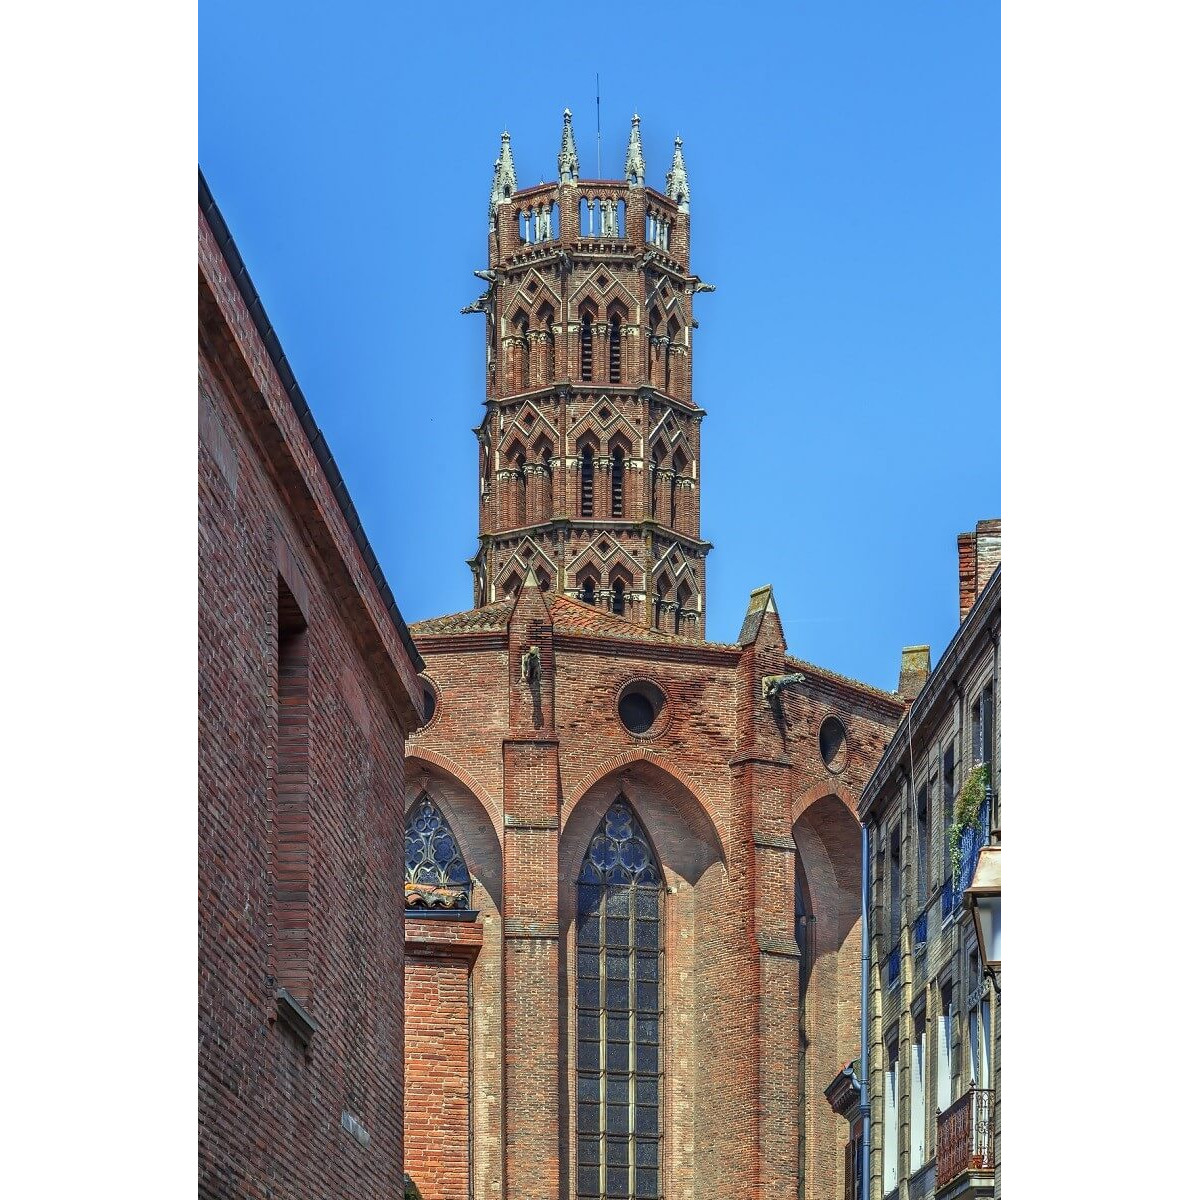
(589, 447)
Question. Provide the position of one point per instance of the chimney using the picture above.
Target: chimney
(914, 671)
(978, 557)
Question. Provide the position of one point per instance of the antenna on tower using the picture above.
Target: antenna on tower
(599, 172)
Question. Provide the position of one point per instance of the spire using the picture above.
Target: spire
(677, 181)
(504, 178)
(635, 164)
(568, 156)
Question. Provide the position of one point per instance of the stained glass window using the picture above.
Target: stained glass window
(435, 875)
(619, 1011)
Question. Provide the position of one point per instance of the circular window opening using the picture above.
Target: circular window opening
(428, 702)
(832, 738)
(639, 706)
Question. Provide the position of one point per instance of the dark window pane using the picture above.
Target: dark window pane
(647, 966)
(589, 1027)
(618, 1027)
(589, 1118)
(647, 1152)
(647, 1119)
(617, 995)
(618, 1119)
(647, 1091)
(646, 903)
(618, 1089)
(589, 931)
(589, 1056)
(618, 932)
(616, 965)
(589, 1181)
(647, 1184)
(647, 935)
(617, 1058)
(616, 1153)
(647, 1058)
(589, 993)
(589, 1151)
(616, 903)
(589, 964)
(647, 997)
(647, 1030)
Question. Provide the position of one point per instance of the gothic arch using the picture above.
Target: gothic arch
(469, 813)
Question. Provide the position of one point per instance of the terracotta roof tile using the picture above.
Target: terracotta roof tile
(489, 619)
(574, 616)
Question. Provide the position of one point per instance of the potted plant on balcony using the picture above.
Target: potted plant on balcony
(966, 814)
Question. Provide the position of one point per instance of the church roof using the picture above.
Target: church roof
(492, 618)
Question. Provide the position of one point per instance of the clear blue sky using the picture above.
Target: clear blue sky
(845, 174)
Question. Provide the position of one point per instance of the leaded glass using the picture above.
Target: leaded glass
(435, 874)
(619, 1018)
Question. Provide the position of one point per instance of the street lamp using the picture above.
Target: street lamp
(983, 898)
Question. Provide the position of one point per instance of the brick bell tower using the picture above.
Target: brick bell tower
(589, 448)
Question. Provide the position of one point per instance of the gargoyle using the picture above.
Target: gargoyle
(772, 685)
(531, 665)
(483, 304)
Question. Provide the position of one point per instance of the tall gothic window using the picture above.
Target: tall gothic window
(614, 350)
(618, 482)
(587, 481)
(435, 874)
(618, 596)
(619, 959)
(585, 349)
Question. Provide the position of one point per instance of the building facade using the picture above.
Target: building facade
(933, 1027)
(633, 942)
(308, 684)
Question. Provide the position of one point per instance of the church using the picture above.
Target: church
(633, 928)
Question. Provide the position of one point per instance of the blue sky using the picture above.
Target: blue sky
(844, 162)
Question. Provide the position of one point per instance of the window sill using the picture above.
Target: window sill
(295, 1017)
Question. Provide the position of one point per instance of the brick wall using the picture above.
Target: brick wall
(305, 692)
(739, 806)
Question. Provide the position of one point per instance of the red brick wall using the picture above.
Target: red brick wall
(301, 851)
(437, 1088)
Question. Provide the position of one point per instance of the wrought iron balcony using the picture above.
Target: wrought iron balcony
(964, 1136)
(893, 967)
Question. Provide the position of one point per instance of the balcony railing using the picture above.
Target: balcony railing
(893, 967)
(974, 838)
(964, 1136)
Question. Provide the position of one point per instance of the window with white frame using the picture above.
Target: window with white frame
(916, 1091)
(979, 1025)
(945, 1040)
(891, 1115)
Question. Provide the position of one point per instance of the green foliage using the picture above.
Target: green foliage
(410, 1190)
(966, 813)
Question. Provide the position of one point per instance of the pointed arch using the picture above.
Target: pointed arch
(435, 871)
(620, 985)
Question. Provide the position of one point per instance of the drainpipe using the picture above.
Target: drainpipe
(863, 1062)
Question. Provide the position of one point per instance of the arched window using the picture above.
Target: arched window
(519, 498)
(661, 607)
(435, 875)
(614, 350)
(585, 349)
(618, 482)
(618, 596)
(619, 1048)
(588, 592)
(546, 316)
(587, 481)
(682, 597)
(522, 351)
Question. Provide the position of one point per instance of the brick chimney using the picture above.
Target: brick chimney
(914, 670)
(978, 557)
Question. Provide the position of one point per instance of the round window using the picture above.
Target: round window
(832, 739)
(428, 702)
(639, 704)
